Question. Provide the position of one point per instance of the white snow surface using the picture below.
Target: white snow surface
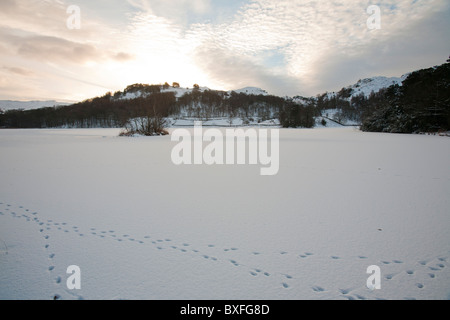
(140, 227)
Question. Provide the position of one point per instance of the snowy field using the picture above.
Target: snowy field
(140, 227)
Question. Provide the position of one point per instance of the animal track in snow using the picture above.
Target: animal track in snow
(214, 253)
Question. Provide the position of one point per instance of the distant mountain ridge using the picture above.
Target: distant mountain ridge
(249, 105)
(364, 86)
(29, 105)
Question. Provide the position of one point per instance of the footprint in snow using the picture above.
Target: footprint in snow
(345, 291)
(234, 262)
(318, 289)
(434, 269)
(389, 276)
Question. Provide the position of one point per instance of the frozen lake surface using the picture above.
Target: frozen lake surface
(140, 227)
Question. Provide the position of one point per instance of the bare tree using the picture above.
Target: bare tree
(151, 124)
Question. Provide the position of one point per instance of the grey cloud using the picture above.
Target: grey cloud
(19, 71)
(55, 49)
(123, 56)
(424, 44)
(8, 6)
(236, 71)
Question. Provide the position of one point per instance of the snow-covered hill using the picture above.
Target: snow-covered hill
(28, 105)
(180, 91)
(365, 86)
(251, 90)
(375, 84)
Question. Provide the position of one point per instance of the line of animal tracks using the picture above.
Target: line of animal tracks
(429, 269)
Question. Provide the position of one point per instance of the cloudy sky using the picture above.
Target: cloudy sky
(287, 47)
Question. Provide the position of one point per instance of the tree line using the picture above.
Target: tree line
(420, 104)
(156, 101)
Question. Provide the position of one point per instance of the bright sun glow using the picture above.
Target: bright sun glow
(286, 47)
